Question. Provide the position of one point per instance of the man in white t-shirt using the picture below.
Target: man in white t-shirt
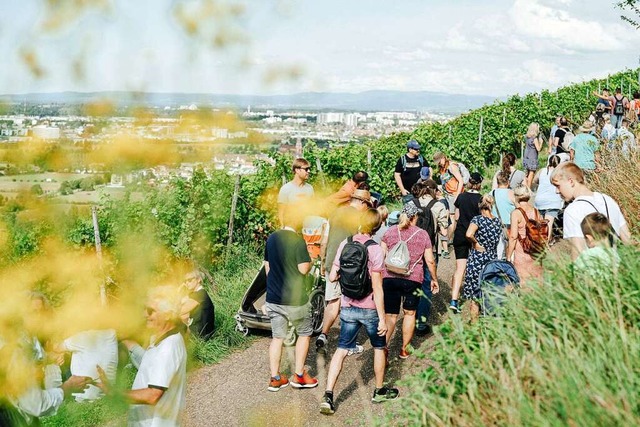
(297, 190)
(90, 349)
(158, 393)
(568, 178)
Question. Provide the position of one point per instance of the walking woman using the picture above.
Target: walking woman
(533, 145)
(525, 265)
(516, 177)
(466, 208)
(548, 201)
(483, 234)
(401, 289)
(504, 203)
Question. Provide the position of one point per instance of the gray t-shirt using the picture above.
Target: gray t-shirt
(290, 193)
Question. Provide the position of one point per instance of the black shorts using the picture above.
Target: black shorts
(461, 250)
(395, 290)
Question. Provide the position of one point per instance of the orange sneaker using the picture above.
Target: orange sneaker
(275, 385)
(306, 381)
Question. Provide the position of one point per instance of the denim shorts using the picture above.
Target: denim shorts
(351, 319)
(281, 315)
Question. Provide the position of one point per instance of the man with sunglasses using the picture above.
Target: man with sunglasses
(408, 168)
(297, 190)
(157, 395)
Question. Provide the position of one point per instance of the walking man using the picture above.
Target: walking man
(286, 262)
(363, 278)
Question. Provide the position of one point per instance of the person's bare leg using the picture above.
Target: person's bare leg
(302, 349)
(474, 310)
(390, 320)
(275, 353)
(408, 327)
(331, 313)
(458, 276)
(335, 368)
(379, 363)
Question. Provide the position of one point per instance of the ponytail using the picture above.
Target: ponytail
(404, 221)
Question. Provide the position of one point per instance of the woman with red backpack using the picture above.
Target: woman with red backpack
(525, 265)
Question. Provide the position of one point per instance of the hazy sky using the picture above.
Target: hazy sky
(496, 47)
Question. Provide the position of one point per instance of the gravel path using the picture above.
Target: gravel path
(234, 392)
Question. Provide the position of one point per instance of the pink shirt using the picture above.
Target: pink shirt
(375, 265)
(417, 245)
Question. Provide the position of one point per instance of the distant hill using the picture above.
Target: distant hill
(374, 100)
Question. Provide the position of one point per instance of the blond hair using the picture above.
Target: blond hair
(486, 203)
(533, 130)
(522, 193)
(300, 163)
(567, 170)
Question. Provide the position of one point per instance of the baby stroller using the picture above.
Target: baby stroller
(252, 314)
(497, 280)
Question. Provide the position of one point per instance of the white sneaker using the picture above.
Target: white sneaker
(321, 342)
(359, 349)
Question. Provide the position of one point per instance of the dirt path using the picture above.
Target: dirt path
(234, 392)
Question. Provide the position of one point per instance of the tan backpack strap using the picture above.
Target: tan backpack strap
(524, 213)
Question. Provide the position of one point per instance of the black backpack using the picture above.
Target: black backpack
(404, 162)
(426, 220)
(355, 280)
(618, 108)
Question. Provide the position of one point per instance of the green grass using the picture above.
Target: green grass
(230, 281)
(563, 353)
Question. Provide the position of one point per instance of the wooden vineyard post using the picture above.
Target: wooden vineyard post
(96, 235)
(234, 205)
(480, 130)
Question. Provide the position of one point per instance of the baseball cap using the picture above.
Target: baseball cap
(424, 172)
(413, 144)
(394, 218)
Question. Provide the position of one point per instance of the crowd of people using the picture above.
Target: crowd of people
(376, 265)
(392, 257)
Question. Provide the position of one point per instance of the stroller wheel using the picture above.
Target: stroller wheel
(242, 329)
(292, 336)
(316, 299)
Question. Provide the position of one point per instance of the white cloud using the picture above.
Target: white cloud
(535, 20)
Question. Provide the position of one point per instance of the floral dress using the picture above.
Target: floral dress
(488, 235)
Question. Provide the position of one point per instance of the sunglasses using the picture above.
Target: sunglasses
(305, 169)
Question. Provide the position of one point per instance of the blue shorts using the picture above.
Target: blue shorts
(351, 319)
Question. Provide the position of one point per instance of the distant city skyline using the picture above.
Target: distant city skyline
(493, 48)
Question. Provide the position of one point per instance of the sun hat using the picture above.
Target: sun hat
(586, 127)
(363, 195)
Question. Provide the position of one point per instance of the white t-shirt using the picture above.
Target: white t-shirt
(163, 366)
(290, 193)
(88, 349)
(579, 208)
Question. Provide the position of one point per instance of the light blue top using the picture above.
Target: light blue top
(585, 146)
(503, 204)
(547, 197)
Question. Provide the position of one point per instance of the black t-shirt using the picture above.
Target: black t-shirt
(344, 222)
(467, 203)
(285, 284)
(203, 315)
(412, 173)
(560, 133)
